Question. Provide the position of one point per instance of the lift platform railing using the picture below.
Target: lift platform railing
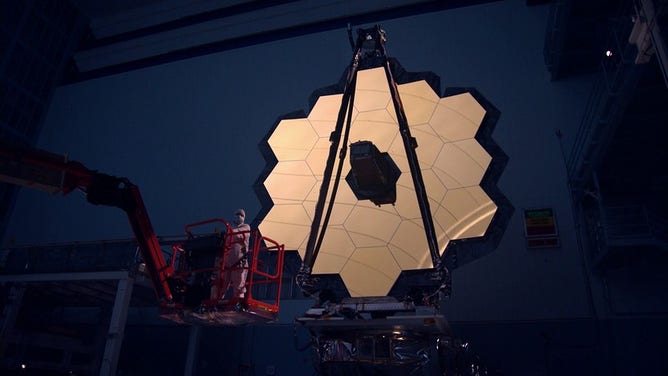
(265, 266)
(260, 272)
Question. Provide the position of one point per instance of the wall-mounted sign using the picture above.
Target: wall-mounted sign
(540, 228)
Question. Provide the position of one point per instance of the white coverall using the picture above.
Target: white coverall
(236, 261)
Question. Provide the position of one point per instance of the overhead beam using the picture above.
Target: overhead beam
(45, 277)
(173, 41)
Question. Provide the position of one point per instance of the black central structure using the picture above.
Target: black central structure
(373, 175)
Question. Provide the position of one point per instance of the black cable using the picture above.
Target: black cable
(335, 138)
(410, 144)
(342, 157)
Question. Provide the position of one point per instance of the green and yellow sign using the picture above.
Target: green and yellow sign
(540, 222)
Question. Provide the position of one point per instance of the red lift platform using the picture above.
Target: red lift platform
(182, 285)
(199, 263)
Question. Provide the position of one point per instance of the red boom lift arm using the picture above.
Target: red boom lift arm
(39, 169)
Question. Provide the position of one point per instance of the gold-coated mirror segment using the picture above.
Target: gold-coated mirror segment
(293, 139)
(369, 245)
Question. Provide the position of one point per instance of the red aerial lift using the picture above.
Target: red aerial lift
(182, 284)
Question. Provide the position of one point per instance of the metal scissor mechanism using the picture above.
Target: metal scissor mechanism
(373, 173)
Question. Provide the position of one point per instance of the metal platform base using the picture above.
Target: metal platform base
(223, 315)
(377, 336)
(374, 315)
(426, 324)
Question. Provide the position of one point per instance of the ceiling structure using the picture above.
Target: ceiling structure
(131, 35)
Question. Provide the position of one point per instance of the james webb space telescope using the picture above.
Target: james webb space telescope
(411, 185)
(379, 178)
